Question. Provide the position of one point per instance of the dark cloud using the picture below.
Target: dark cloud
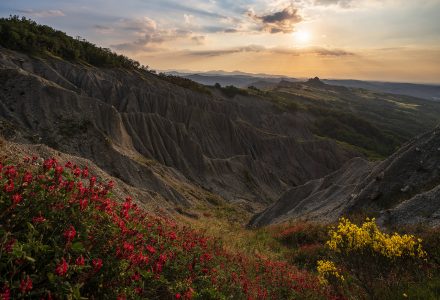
(281, 21)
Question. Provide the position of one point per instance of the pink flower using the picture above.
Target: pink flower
(70, 233)
(97, 264)
(26, 285)
(62, 268)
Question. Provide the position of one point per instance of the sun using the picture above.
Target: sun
(302, 36)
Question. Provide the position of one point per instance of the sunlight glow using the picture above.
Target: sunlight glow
(302, 37)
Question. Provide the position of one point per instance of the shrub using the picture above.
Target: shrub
(26, 35)
(378, 262)
(63, 236)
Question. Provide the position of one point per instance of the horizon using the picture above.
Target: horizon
(368, 40)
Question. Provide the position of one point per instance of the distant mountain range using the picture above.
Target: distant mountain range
(265, 81)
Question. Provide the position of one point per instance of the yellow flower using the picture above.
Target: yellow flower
(349, 237)
(326, 270)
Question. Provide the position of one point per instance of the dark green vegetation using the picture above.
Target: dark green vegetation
(373, 123)
(231, 91)
(185, 83)
(26, 35)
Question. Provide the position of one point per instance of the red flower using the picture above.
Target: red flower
(178, 296)
(11, 172)
(9, 245)
(17, 199)
(151, 249)
(62, 268)
(83, 204)
(128, 247)
(5, 294)
(77, 172)
(70, 233)
(58, 170)
(26, 285)
(39, 219)
(97, 264)
(9, 186)
(80, 261)
(110, 184)
(27, 177)
(85, 173)
(92, 181)
(172, 235)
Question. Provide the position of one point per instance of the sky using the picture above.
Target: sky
(387, 40)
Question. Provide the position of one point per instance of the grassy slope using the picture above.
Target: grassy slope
(373, 123)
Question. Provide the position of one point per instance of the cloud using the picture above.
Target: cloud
(330, 52)
(42, 13)
(282, 51)
(222, 52)
(149, 36)
(341, 3)
(188, 19)
(103, 29)
(198, 39)
(281, 21)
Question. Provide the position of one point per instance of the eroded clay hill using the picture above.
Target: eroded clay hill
(403, 189)
(170, 142)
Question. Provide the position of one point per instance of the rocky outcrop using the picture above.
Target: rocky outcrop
(403, 189)
(322, 200)
(148, 132)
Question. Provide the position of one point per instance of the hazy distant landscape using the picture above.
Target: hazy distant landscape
(259, 176)
(424, 91)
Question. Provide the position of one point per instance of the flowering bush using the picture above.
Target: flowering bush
(328, 272)
(62, 235)
(371, 257)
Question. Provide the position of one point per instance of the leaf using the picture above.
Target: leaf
(32, 260)
(78, 247)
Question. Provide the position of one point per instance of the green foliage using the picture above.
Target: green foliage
(63, 236)
(231, 91)
(354, 130)
(379, 263)
(185, 83)
(25, 35)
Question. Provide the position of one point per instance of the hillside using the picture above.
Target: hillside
(158, 136)
(375, 123)
(401, 190)
(267, 82)
(120, 183)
